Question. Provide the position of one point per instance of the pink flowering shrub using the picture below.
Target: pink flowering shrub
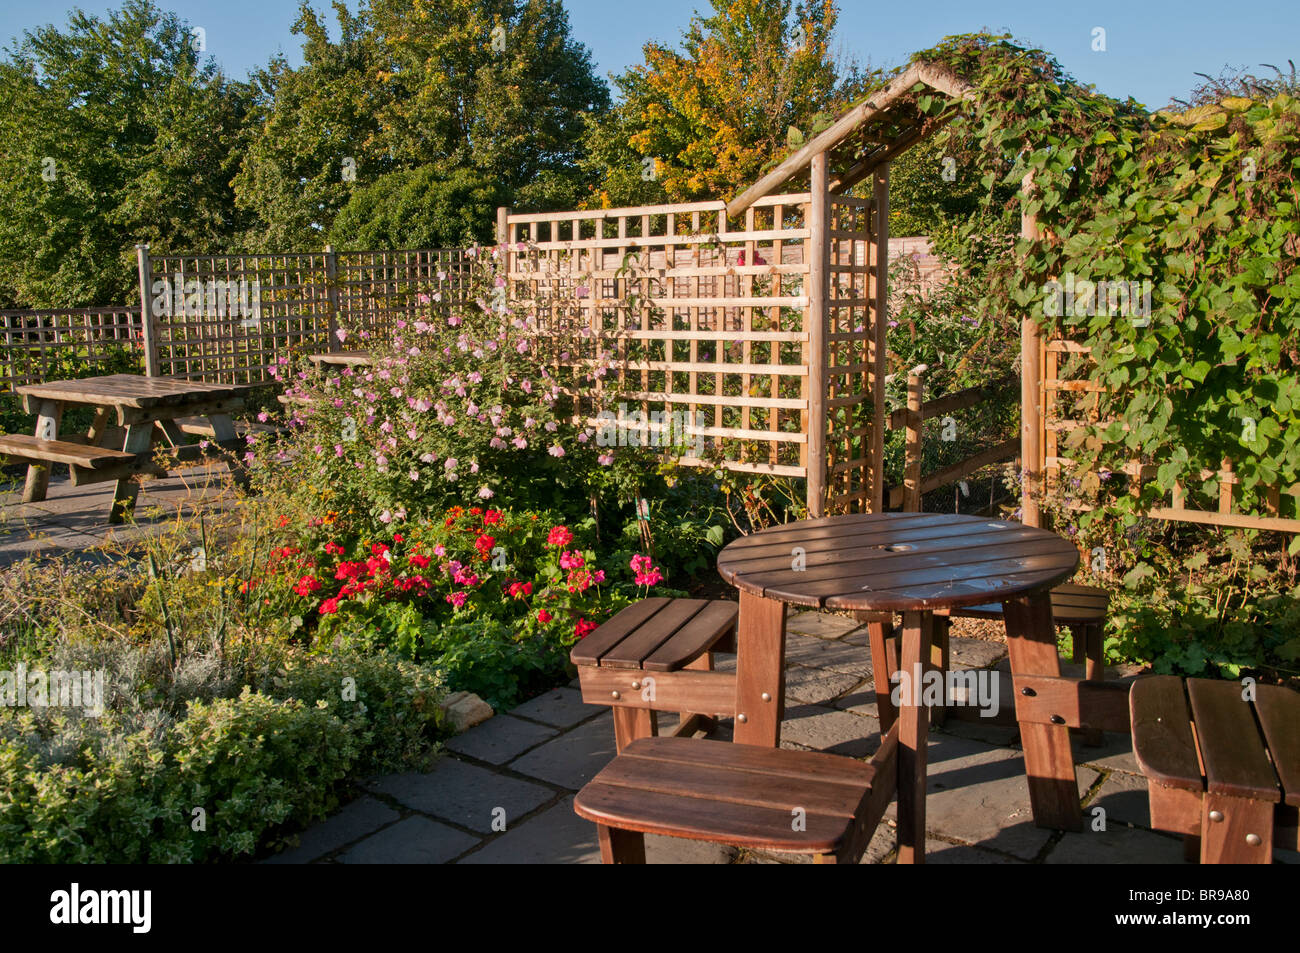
(463, 403)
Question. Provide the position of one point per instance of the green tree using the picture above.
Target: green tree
(704, 120)
(114, 132)
(445, 109)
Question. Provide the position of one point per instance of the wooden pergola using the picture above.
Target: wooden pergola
(859, 145)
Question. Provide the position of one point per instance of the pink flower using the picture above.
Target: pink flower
(561, 536)
(572, 560)
(457, 599)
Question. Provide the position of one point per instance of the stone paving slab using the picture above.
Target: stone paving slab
(1124, 798)
(1117, 845)
(415, 840)
(464, 794)
(562, 708)
(826, 625)
(559, 836)
(499, 739)
(829, 654)
(363, 816)
(816, 686)
(978, 794)
(831, 730)
(572, 759)
(966, 652)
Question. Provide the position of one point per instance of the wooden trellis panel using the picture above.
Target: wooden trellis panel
(227, 318)
(700, 317)
(849, 405)
(35, 343)
(1070, 400)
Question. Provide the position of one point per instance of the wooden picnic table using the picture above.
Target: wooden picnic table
(913, 563)
(131, 411)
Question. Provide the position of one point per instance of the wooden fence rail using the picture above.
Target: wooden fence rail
(912, 419)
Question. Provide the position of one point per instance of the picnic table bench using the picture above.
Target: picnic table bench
(1223, 767)
(131, 412)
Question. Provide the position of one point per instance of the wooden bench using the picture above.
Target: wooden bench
(24, 448)
(747, 796)
(657, 655)
(1222, 770)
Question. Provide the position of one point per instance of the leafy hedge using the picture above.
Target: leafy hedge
(230, 777)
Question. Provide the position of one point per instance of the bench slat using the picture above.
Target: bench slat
(694, 638)
(1236, 762)
(588, 651)
(1162, 733)
(27, 447)
(733, 794)
(1278, 709)
(638, 645)
(1070, 603)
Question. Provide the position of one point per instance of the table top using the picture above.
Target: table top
(132, 390)
(355, 358)
(897, 561)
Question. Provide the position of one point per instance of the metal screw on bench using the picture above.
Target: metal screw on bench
(1027, 691)
(1057, 720)
(636, 686)
(767, 697)
(616, 694)
(742, 718)
(1252, 840)
(1216, 815)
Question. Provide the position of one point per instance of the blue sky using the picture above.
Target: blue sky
(1153, 47)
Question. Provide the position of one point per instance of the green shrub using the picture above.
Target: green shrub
(125, 788)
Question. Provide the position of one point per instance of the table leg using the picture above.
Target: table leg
(223, 432)
(139, 438)
(1049, 762)
(48, 417)
(913, 735)
(760, 671)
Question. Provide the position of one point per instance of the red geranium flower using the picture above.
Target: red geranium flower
(329, 606)
(334, 549)
(584, 627)
(543, 616)
(559, 536)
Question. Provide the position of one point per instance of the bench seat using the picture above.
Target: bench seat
(657, 655)
(29, 449)
(1222, 769)
(742, 795)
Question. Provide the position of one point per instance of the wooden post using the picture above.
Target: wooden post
(879, 335)
(912, 452)
(1031, 383)
(503, 224)
(332, 292)
(818, 259)
(148, 322)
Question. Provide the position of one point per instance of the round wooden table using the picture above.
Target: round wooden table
(913, 563)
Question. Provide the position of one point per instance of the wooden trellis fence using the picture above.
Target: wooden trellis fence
(1070, 400)
(759, 334)
(228, 317)
(36, 343)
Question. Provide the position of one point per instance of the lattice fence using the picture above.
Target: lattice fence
(1071, 400)
(228, 317)
(704, 319)
(41, 344)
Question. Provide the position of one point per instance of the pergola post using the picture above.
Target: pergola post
(818, 263)
(878, 353)
(1031, 391)
(148, 322)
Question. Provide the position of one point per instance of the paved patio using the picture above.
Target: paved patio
(521, 769)
(75, 518)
